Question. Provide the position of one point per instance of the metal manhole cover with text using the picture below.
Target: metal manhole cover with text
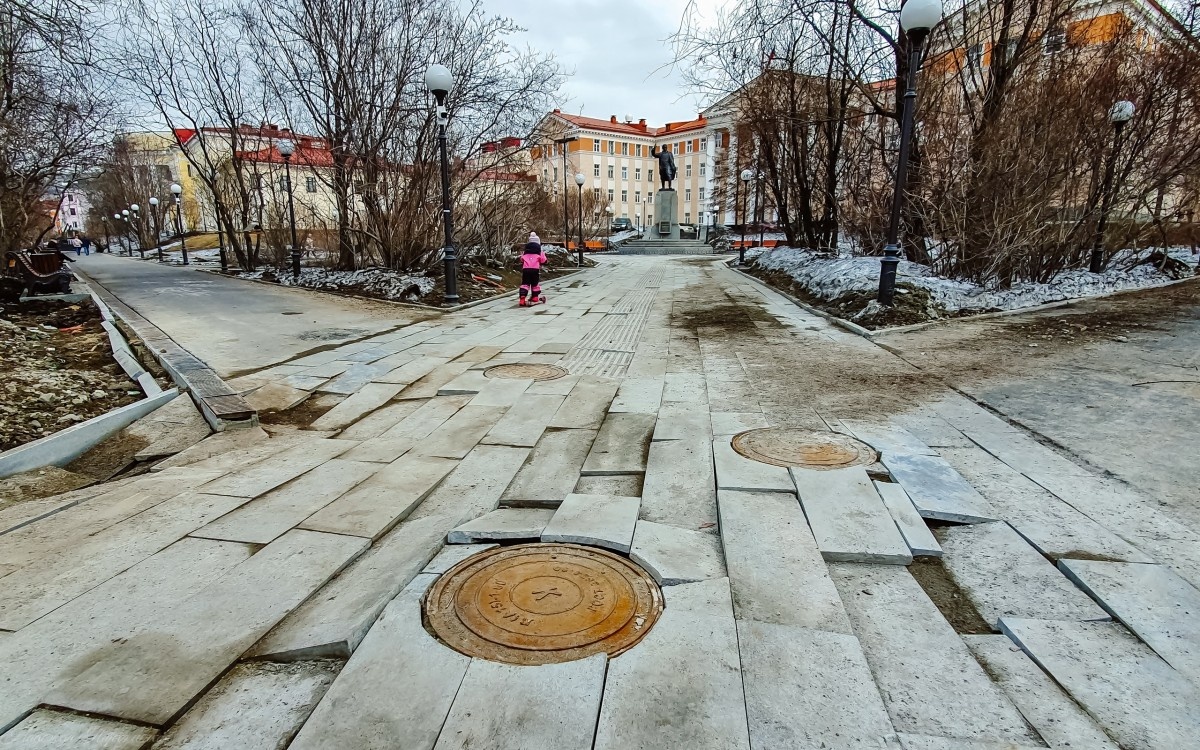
(542, 604)
(525, 371)
(790, 446)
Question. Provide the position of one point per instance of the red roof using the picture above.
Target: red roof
(309, 152)
(612, 125)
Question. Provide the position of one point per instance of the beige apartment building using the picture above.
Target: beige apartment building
(614, 158)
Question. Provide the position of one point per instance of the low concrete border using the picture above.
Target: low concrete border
(67, 445)
(221, 406)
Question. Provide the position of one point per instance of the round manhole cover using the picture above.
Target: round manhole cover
(542, 604)
(789, 446)
(525, 371)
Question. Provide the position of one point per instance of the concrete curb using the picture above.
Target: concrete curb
(67, 445)
(839, 322)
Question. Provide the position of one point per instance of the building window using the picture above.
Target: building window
(70, 199)
(310, 184)
(649, 218)
(595, 170)
(610, 195)
(612, 147)
(624, 149)
(975, 57)
(610, 171)
(649, 196)
(704, 145)
(1055, 40)
(596, 145)
(596, 193)
(650, 175)
(624, 196)
(556, 174)
(637, 196)
(545, 175)
(72, 211)
(637, 174)
(638, 149)
(624, 173)
(701, 193)
(687, 194)
(702, 166)
(687, 217)
(689, 146)
(687, 170)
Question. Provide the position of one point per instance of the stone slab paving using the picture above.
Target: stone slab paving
(56, 730)
(413, 370)
(460, 433)
(660, 694)
(587, 404)
(376, 505)
(395, 691)
(1058, 719)
(401, 437)
(1161, 609)
(156, 673)
(920, 540)
(776, 572)
(454, 554)
(925, 742)
(428, 385)
(42, 654)
(673, 555)
(505, 524)
(682, 420)
(680, 486)
(730, 423)
(848, 518)
(736, 472)
(620, 446)
(887, 438)
(937, 490)
(552, 469)
(929, 681)
(381, 420)
(276, 397)
(1139, 700)
(525, 422)
(266, 518)
(808, 688)
(507, 707)
(1004, 576)
(469, 382)
(256, 705)
(266, 475)
(501, 392)
(638, 395)
(599, 520)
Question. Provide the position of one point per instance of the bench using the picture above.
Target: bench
(34, 273)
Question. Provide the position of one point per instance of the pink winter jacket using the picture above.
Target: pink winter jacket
(533, 260)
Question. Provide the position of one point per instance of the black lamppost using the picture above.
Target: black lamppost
(759, 211)
(157, 226)
(176, 192)
(286, 149)
(917, 17)
(137, 228)
(128, 229)
(438, 80)
(608, 214)
(562, 145)
(117, 230)
(746, 176)
(1121, 113)
(579, 179)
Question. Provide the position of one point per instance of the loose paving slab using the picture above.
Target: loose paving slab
(354, 377)
(55, 730)
(1005, 577)
(257, 704)
(266, 475)
(660, 694)
(557, 387)
(429, 385)
(265, 519)
(381, 420)
(736, 472)
(625, 485)
(505, 524)
(364, 401)
(453, 554)
(276, 397)
(469, 382)
(848, 518)
(507, 707)
(412, 370)
(729, 423)
(396, 690)
(681, 420)
(155, 674)
(501, 392)
(620, 446)
(408, 432)
(775, 569)
(1058, 719)
(680, 486)
(376, 505)
(460, 433)
(552, 470)
(936, 489)
(888, 438)
(586, 406)
(638, 395)
(244, 443)
(674, 556)
(809, 688)
(599, 520)
(1160, 607)
(1139, 700)
(920, 540)
(930, 683)
(524, 424)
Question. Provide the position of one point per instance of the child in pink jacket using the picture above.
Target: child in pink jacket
(532, 260)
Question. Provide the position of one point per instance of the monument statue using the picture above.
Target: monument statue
(666, 166)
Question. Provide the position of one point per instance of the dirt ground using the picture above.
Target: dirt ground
(56, 370)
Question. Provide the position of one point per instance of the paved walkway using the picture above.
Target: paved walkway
(259, 590)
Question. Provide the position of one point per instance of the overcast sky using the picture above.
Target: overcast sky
(616, 51)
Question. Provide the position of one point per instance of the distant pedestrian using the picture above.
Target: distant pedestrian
(77, 244)
(532, 260)
(87, 245)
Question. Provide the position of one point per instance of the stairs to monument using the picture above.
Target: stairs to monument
(656, 246)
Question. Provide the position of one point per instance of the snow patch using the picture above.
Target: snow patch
(373, 282)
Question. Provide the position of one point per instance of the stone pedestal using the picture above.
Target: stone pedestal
(666, 215)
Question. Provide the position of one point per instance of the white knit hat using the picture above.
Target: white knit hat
(534, 238)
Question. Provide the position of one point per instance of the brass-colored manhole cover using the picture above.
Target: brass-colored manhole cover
(525, 371)
(542, 604)
(789, 446)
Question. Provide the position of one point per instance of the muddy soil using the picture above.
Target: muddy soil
(912, 304)
(56, 370)
(949, 598)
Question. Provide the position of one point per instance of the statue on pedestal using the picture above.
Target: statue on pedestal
(666, 166)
